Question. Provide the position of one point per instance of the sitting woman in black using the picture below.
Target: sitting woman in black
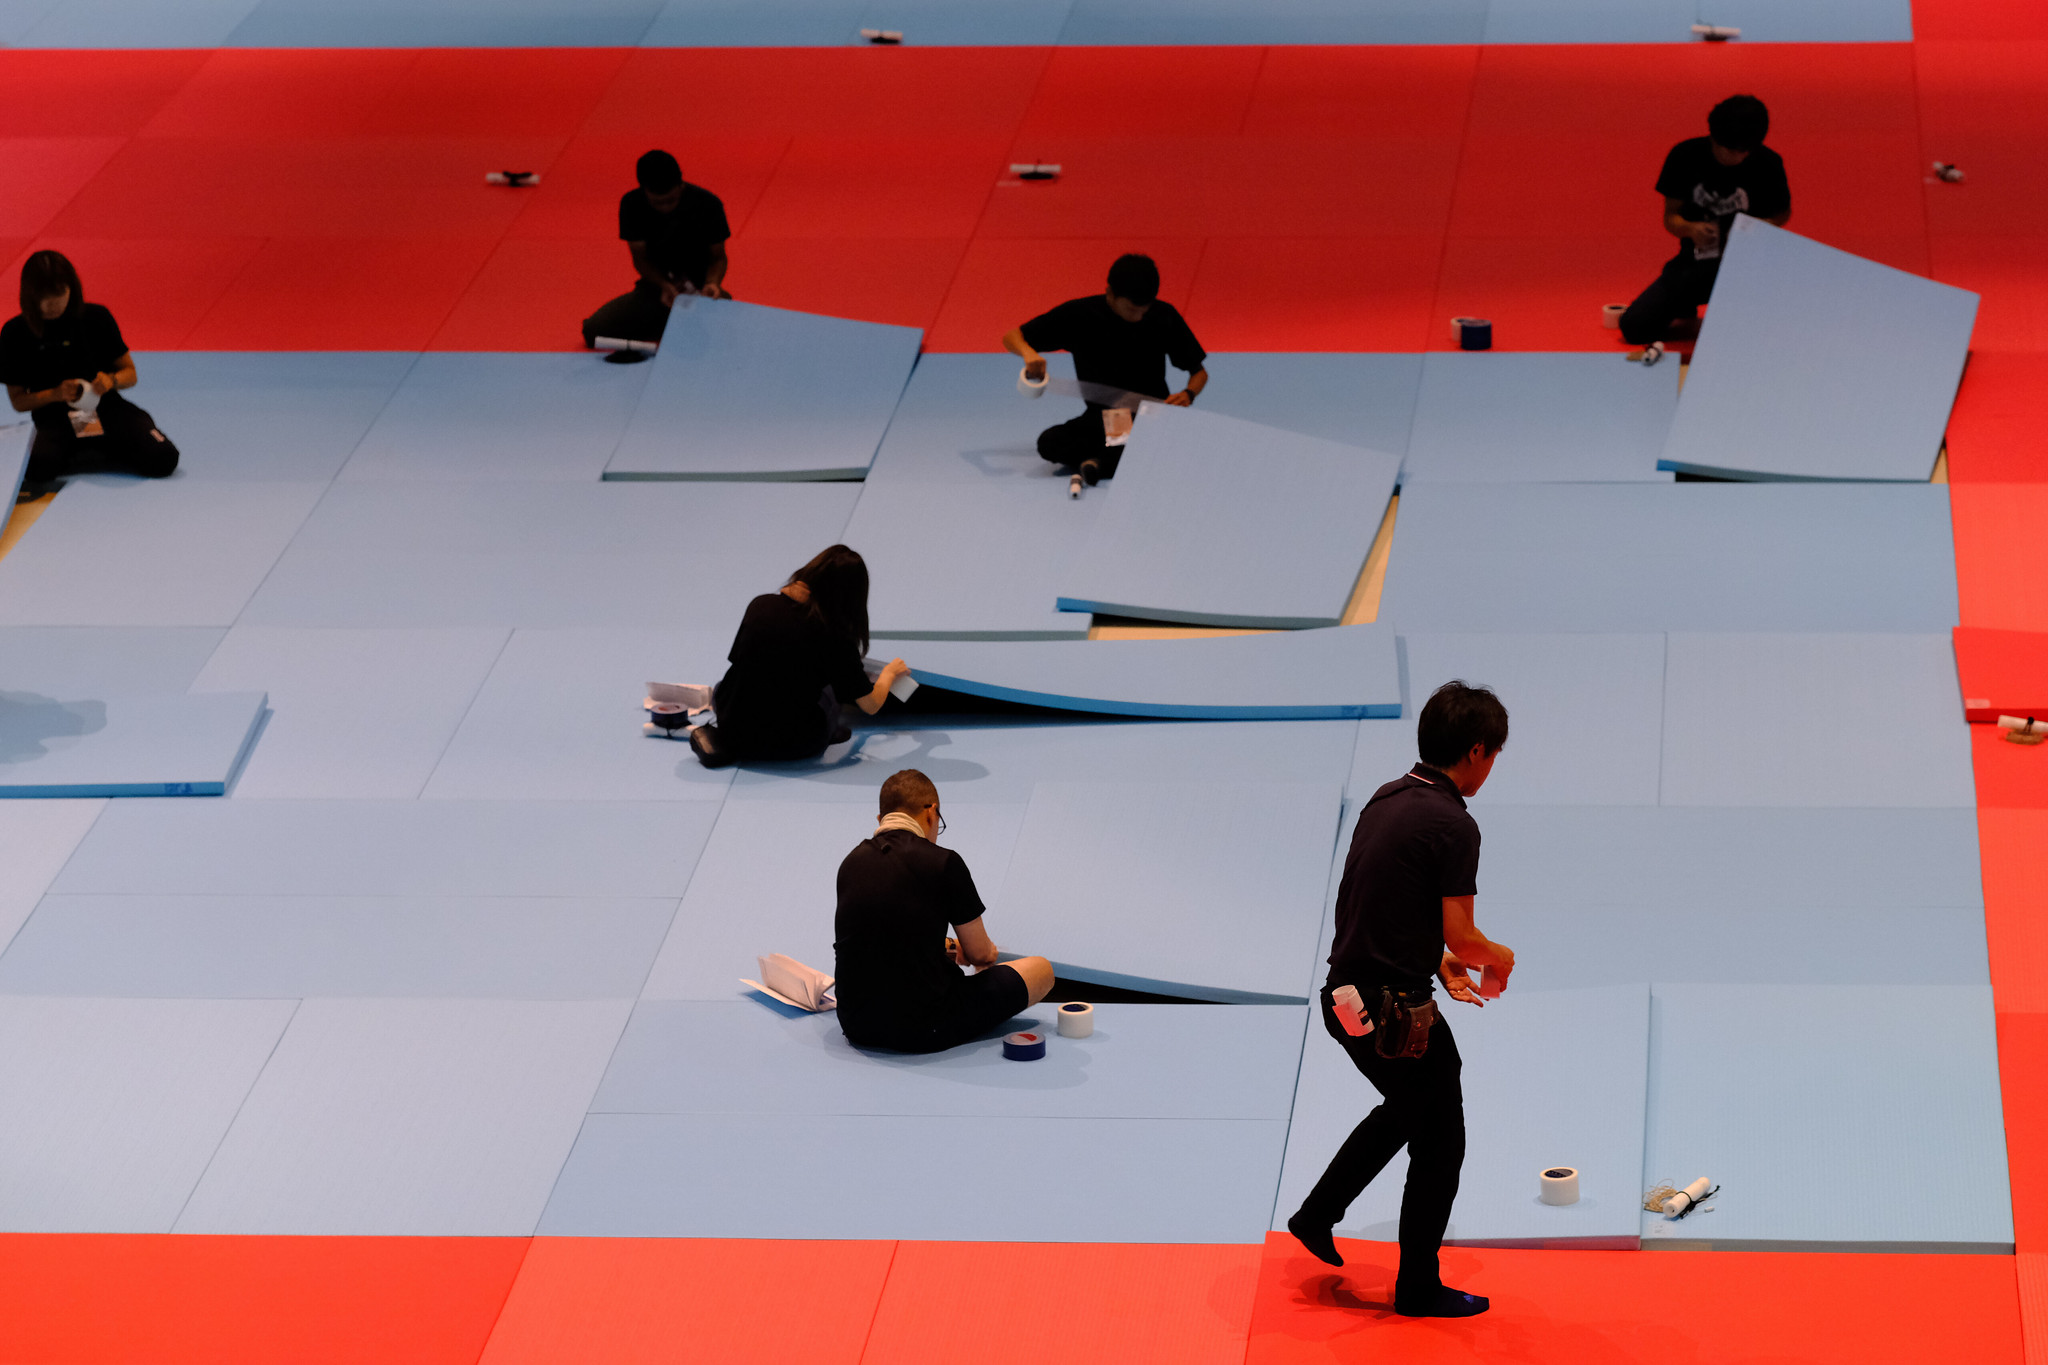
(65, 362)
(795, 662)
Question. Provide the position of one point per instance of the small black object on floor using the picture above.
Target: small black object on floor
(1063, 991)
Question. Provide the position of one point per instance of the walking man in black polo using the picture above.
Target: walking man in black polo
(1404, 915)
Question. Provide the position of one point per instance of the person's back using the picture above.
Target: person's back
(784, 656)
(1415, 843)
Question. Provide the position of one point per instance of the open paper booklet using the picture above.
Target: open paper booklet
(900, 689)
(791, 982)
(692, 697)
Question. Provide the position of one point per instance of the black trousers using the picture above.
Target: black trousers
(131, 445)
(1423, 1109)
(636, 315)
(1677, 292)
(1069, 443)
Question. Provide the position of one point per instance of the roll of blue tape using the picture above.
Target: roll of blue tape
(1024, 1047)
(1473, 334)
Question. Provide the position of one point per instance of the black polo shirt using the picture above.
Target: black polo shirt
(898, 894)
(1415, 845)
(679, 242)
(85, 342)
(1130, 356)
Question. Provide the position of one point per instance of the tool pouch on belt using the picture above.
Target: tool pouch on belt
(1402, 1022)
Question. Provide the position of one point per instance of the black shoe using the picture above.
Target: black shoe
(1316, 1237)
(1443, 1303)
(839, 736)
(1091, 473)
(704, 740)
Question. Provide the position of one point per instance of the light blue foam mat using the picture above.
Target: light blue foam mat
(737, 1056)
(1359, 398)
(36, 839)
(1215, 521)
(544, 554)
(391, 848)
(1762, 720)
(173, 552)
(15, 439)
(768, 878)
(284, 947)
(1707, 857)
(111, 1109)
(736, 23)
(1106, 23)
(560, 718)
(1636, 557)
(961, 419)
(1063, 1180)
(124, 659)
(355, 713)
(402, 1118)
(739, 391)
(1591, 21)
(1813, 21)
(444, 23)
(151, 745)
(975, 561)
(1551, 1078)
(1561, 946)
(1585, 715)
(137, 24)
(501, 415)
(1344, 672)
(287, 415)
(976, 759)
(1539, 417)
(17, 17)
(1771, 392)
(1210, 890)
(1879, 1089)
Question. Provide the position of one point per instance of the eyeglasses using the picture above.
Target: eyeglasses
(942, 822)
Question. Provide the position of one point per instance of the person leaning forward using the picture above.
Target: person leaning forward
(1404, 915)
(676, 233)
(899, 978)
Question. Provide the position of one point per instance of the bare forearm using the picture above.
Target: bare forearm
(1016, 345)
(1477, 950)
(1197, 381)
(1678, 225)
(714, 272)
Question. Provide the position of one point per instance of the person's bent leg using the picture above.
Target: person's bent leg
(1435, 1117)
(1038, 976)
(51, 453)
(1650, 317)
(636, 315)
(1072, 442)
(133, 444)
(1365, 1153)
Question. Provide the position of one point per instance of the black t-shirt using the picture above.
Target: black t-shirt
(1415, 845)
(1107, 350)
(85, 342)
(782, 660)
(898, 895)
(1707, 191)
(680, 241)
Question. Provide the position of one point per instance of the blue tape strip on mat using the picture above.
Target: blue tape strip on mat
(1344, 672)
(499, 415)
(1900, 1121)
(1065, 1180)
(1563, 1077)
(1770, 394)
(1766, 720)
(1215, 521)
(125, 746)
(739, 391)
(735, 1056)
(1637, 557)
(1539, 417)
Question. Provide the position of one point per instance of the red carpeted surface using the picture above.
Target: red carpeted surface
(1308, 198)
(2003, 672)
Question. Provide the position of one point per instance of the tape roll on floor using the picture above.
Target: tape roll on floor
(1024, 1047)
(1472, 334)
(1560, 1185)
(1077, 1019)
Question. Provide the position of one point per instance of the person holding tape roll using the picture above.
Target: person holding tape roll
(1404, 916)
(1121, 339)
(1705, 182)
(897, 973)
(676, 233)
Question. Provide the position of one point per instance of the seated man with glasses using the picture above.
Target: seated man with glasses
(899, 984)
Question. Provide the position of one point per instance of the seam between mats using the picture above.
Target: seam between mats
(236, 1117)
(1663, 710)
(1443, 242)
(44, 894)
(868, 1338)
(511, 1284)
(481, 683)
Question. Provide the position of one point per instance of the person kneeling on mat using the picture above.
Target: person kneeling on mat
(65, 362)
(795, 662)
(1121, 339)
(1404, 915)
(899, 981)
(676, 233)
(1705, 182)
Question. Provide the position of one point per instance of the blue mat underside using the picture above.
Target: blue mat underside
(157, 745)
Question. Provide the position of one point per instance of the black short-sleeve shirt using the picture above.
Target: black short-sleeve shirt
(1415, 845)
(898, 895)
(83, 343)
(1107, 350)
(1707, 191)
(678, 242)
(783, 658)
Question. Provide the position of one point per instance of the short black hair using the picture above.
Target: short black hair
(658, 172)
(1456, 717)
(1739, 123)
(1135, 279)
(909, 791)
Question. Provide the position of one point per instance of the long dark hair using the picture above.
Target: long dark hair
(44, 275)
(838, 579)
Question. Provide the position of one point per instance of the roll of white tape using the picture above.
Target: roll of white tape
(1077, 1019)
(1029, 387)
(1610, 315)
(2018, 722)
(1687, 1197)
(1560, 1185)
